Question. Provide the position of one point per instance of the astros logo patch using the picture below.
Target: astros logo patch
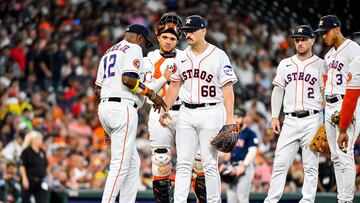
(174, 68)
(228, 70)
(349, 78)
(136, 63)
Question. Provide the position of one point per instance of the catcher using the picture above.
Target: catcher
(238, 171)
(298, 82)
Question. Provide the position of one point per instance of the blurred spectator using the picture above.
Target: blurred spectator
(33, 169)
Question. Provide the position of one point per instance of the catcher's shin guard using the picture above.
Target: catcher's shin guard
(200, 188)
(162, 190)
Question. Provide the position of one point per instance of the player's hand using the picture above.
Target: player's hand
(275, 125)
(167, 73)
(239, 170)
(164, 119)
(343, 141)
(157, 100)
(230, 120)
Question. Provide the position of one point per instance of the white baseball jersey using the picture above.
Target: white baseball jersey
(155, 66)
(354, 74)
(337, 66)
(203, 75)
(302, 81)
(120, 58)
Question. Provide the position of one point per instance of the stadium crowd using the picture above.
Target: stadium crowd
(50, 51)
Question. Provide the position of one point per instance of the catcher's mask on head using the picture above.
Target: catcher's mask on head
(169, 22)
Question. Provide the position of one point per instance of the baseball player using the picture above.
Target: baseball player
(241, 159)
(299, 82)
(206, 76)
(119, 90)
(337, 60)
(162, 139)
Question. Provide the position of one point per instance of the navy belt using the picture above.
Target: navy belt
(334, 98)
(302, 114)
(118, 99)
(175, 107)
(194, 106)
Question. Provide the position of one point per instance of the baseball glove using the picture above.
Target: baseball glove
(226, 139)
(226, 174)
(335, 118)
(319, 143)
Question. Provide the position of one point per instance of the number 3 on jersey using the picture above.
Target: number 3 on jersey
(109, 63)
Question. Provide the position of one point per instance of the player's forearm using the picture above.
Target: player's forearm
(349, 103)
(23, 172)
(250, 156)
(157, 84)
(172, 93)
(137, 87)
(228, 94)
(276, 101)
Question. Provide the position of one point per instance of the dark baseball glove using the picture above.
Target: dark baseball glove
(226, 174)
(226, 139)
(319, 143)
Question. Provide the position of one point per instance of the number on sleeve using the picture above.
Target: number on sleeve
(109, 69)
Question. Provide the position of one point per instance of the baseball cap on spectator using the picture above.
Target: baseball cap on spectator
(303, 31)
(328, 22)
(141, 30)
(194, 22)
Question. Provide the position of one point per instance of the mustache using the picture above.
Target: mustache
(188, 38)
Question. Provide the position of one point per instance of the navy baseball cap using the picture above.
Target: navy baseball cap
(328, 22)
(141, 30)
(303, 31)
(194, 22)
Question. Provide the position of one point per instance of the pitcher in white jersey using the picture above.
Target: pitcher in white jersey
(160, 63)
(206, 78)
(298, 85)
(118, 87)
(337, 61)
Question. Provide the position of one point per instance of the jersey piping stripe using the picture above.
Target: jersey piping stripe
(97, 83)
(302, 100)
(122, 156)
(297, 73)
(278, 84)
(175, 79)
(192, 68)
(130, 71)
(353, 87)
(226, 81)
(332, 72)
(199, 73)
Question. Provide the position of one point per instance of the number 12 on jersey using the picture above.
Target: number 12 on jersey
(109, 63)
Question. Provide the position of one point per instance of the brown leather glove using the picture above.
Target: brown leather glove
(319, 143)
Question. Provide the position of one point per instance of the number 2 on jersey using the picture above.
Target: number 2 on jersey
(109, 65)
